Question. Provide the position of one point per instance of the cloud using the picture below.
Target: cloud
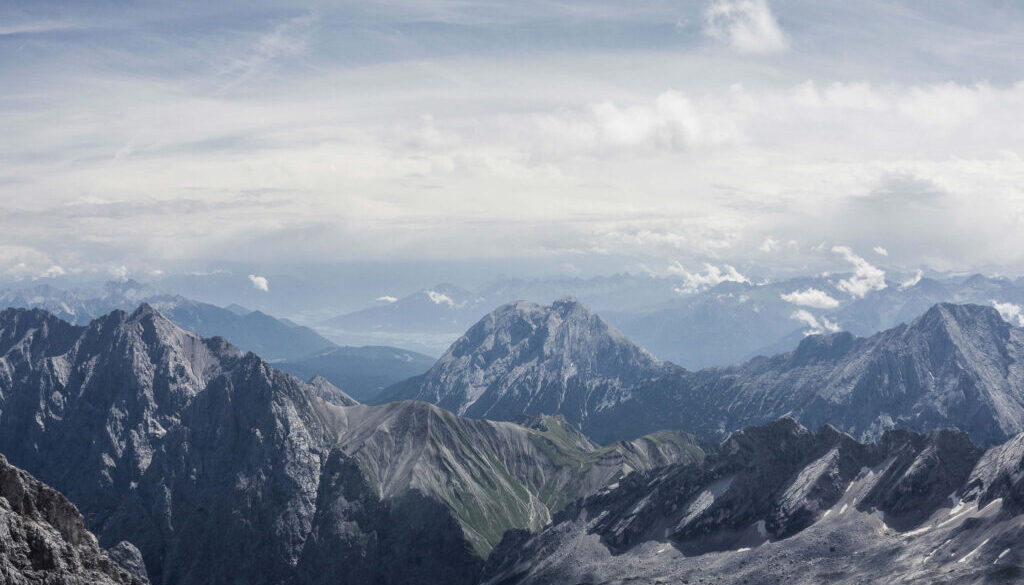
(771, 244)
(1010, 312)
(913, 280)
(440, 298)
(672, 121)
(866, 278)
(387, 299)
(747, 147)
(815, 325)
(52, 272)
(259, 283)
(880, 251)
(289, 38)
(812, 297)
(747, 26)
(712, 276)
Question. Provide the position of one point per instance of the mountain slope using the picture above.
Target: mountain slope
(43, 538)
(956, 365)
(779, 503)
(525, 359)
(223, 469)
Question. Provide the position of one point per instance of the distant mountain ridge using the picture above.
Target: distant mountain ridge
(250, 330)
(956, 365)
(362, 371)
(693, 326)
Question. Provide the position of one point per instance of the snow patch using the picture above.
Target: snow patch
(967, 556)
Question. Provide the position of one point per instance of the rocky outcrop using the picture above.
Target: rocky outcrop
(43, 538)
(779, 502)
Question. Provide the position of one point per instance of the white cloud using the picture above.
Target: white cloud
(712, 276)
(440, 298)
(913, 280)
(387, 299)
(866, 278)
(52, 272)
(771, 244)
(259, 283)
(812, 297)
(672, 121)
(1011, 313)
(815, 325)
(880, 251)
(748, 26)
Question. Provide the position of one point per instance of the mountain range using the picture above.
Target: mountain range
(208, 465)
(362, 371)
(781, 504)
(220, 469)
(955, 365)
(714, 324)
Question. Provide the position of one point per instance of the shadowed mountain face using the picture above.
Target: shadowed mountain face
(526, 359)
(956, 365)
(43, 539)
(779, 503)
(221, 469)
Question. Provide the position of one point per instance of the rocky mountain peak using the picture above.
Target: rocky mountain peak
(526, 358)
(958, 321)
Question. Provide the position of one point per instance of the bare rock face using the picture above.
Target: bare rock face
(955, 366)
(779, 503)
(528, 359)
(43, 538)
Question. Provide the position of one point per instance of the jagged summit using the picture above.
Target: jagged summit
(526, 358)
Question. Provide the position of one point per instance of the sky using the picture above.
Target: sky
(765, 136)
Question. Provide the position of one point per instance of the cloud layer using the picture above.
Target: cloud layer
(742, 136)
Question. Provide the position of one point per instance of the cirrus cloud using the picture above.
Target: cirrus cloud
(747, 26)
